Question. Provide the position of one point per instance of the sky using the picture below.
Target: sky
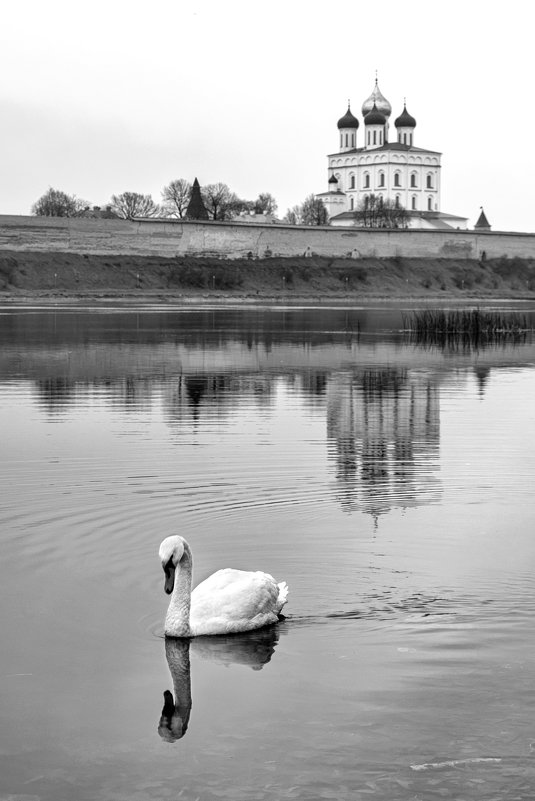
(107, 96)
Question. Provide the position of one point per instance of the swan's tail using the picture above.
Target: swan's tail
(283, 595)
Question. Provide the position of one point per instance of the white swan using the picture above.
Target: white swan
(228, 602)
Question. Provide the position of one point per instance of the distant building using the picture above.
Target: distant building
(397, 170)
(196, 209)
(482, 223)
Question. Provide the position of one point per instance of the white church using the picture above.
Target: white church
(395, 170)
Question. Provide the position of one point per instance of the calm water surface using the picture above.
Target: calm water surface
(391, 486)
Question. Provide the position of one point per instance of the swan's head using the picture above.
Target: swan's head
(171, 552)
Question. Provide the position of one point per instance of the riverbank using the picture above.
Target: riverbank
(188, 279)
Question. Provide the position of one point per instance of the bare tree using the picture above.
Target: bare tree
(133, 204)
(55, 203)
(374, 212)
(313, 211)
(221, 203)
(176, 196)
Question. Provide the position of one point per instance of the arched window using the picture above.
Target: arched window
(366, 180)
(351, 203)
(352, 140)
(397, 179)
(410, 140)
(380, 137)
(429, 180)
(369, 137)
(413, 180)
(381, 178)
(397, 201)
(404, 138)
(351, 181)
(429, 204)
(375, 137)
(413, 202)
(346, 140)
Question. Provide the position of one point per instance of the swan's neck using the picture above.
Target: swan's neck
(177, 619)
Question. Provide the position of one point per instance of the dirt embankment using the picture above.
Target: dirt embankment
(75, 275)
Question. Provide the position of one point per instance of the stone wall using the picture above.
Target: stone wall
(237, 240)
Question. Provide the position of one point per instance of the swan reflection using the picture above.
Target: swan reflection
(253, 649)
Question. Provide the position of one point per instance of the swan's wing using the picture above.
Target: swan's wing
(235, 600)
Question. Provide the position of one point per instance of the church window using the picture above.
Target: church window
(346, 140)
(369, 137)
(352, 140)
(351, 181)
(413, 179)
(429, 181)
(413, 202)
(375, 137)
(366, 180)
(381, 178)
(351, 204)
(380, 137)
(430, 204)
(397, 179)
(397, 201)
(341, 140)
(410, 140)
(404, 138)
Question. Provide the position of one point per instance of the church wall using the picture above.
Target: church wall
(235, 240)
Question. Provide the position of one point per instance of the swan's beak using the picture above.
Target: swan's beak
(169, 570)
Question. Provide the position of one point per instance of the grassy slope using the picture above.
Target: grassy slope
(73, 274)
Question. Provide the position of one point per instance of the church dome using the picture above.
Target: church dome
(374, 117)
(377, 99)
(405, 120)
(333, 179)
(348, 120)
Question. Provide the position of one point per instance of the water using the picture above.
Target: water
(391, 486)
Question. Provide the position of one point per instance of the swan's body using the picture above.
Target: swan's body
(228, 602)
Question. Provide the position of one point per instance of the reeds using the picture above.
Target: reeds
(468, 329)
(466, 322)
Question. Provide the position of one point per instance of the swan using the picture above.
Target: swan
(228, 602)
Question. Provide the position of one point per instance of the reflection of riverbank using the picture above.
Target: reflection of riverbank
(117, 362)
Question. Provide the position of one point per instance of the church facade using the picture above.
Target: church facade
(374, 159)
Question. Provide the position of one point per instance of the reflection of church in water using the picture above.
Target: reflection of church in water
(383, 430)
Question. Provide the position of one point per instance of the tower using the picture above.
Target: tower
(348, 125)
(405, 125)
(375, 123)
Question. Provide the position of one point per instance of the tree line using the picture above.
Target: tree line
(220, 202)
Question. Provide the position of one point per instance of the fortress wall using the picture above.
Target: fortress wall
(168, 238)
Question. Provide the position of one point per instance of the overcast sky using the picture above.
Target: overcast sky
(105, 96)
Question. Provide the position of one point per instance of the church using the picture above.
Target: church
(368, 162)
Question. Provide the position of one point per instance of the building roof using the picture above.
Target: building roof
(348, 120)
(387, 146)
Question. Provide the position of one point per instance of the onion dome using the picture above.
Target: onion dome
(333, 179)
(376, 98)
(374, 117)
(348, 120)
(405, 120)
